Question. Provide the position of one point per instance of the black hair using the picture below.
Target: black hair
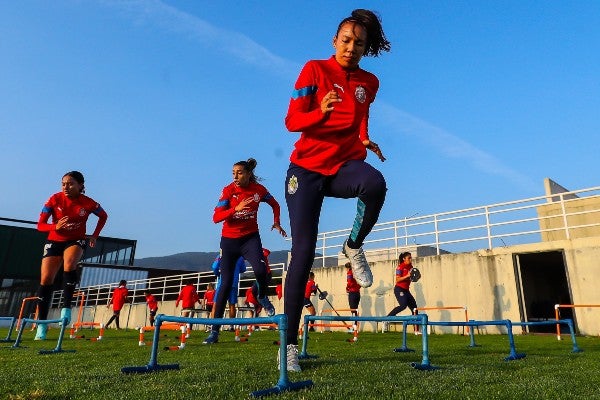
(402, 255)
(376, 40)
(249, 166)
(122, 282)
(78, 176)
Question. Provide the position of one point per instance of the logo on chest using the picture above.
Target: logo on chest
(361, 94)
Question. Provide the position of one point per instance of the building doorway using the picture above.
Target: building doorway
(542, 283)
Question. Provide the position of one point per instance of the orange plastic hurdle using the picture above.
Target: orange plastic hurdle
(446, 308)
(25, 300)
(80, 324)
(166, 326)
(557, 313)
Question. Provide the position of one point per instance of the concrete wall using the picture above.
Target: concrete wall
(483, 281)
(584, 211)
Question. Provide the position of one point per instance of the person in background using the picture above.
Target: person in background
(152, 305)
(311, 289)
(69, 209)
(118, 300)
(330, 107)
(353, 290)
(402, 286)
(188, 296)
(232, 300)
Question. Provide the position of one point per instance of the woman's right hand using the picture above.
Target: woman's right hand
(329, 100)
(243, 205)
(62, 222)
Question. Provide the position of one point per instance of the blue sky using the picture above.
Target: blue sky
(154, 101)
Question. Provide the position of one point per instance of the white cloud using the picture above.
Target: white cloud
(158, 14)
(448, 144)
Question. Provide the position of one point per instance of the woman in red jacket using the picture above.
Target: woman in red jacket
(238, 210)
(67, 240)
(330, 107)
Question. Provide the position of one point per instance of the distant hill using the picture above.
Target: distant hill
(196, 261)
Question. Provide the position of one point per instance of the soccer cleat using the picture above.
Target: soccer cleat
(42, 329)
(65, 313)
(360, 266)
(266, 304)
(292, 358)
(212, 338)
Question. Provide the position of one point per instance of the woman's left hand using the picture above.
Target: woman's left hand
(92, 241)
(374, 147)
(279, 229)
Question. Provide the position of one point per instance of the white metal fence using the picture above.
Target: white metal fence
(470, 229)
(165, 288)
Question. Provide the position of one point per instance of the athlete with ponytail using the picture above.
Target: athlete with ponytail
(67, 240)
(238, 210)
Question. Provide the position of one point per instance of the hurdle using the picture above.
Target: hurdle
(441, 308)
(169, 327)
(25, 300)
(244, 338)
(58, 348)
(10, 329)
(567, 321)
(419, 319)
(557, 313)
(283, 384)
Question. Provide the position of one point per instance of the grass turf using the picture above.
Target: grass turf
(366, 369)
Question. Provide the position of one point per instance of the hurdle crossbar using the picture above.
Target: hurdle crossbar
(566, 321)
(58, 348)
(557, 313)
(420, 319)
(448, 308)
(283, 384)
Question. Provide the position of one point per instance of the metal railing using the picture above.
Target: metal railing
(165, 288)
(484, 227)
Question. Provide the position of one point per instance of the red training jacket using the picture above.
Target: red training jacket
(329, 140)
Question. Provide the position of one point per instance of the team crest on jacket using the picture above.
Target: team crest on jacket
(292, 184)
(82, 212)
(361, 94)
(256, 197)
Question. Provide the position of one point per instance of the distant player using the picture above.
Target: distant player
(403, 295)
(118, 300)
(152, 305)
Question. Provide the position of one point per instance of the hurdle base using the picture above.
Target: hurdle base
(289, 386)
(54, 351)
(148, 368)
(403, 349)
(306, 356)
(576, 350)
(515, 356)
(423, 367)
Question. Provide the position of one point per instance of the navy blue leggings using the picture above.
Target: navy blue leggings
(405, 299)
(249, 247)
(305, 192)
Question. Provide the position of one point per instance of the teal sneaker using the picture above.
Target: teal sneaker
(42, 329)
(212, 338)
(65, 313)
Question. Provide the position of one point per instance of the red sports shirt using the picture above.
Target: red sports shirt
(329, 140)
(311, 288)
(209, 297)
(402, 270)
(188, 297)
(241, 223)
(151, 301)
(119, 297)
(351, 285)
(77, 209)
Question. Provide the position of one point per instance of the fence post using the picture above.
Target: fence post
(488, 227)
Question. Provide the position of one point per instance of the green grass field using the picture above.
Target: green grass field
(366, 369)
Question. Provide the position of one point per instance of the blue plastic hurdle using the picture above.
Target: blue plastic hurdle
(13, 321)
(419, 319)
(58, 348)
(513, 355)
(283, 384)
